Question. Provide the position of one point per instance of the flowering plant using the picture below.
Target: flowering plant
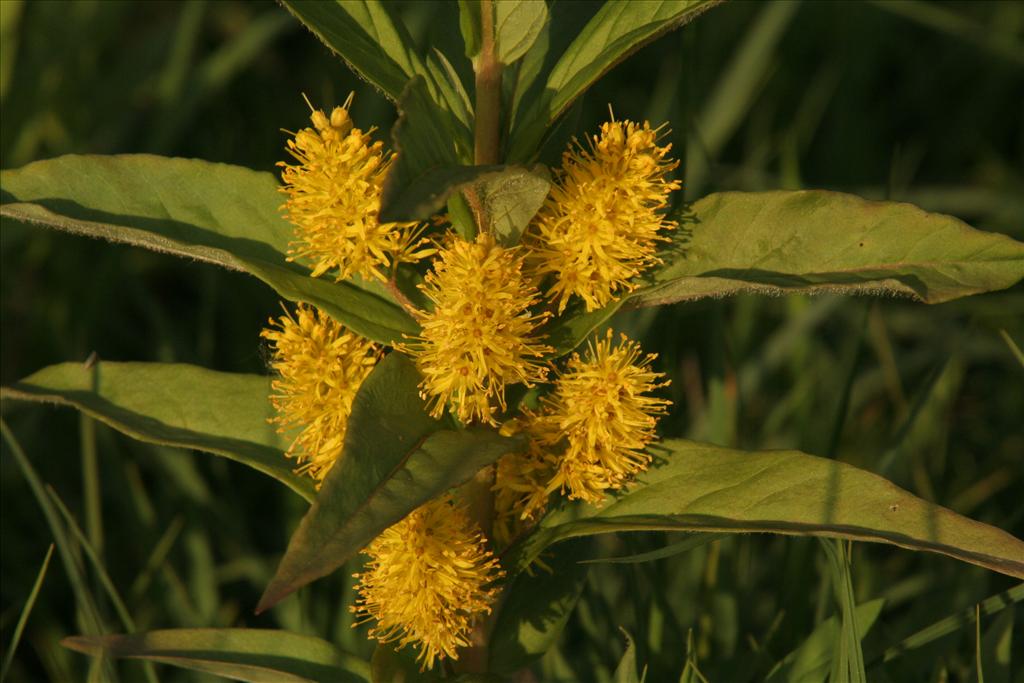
(453, 402)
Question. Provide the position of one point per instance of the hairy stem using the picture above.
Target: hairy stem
(486, 135)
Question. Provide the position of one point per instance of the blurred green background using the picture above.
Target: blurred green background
(913, 101)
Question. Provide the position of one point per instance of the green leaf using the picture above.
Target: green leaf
(427, 168)
(512, 198)
(615, 32)
(220, 214)
(517, 23)
(365, 36)
(626, 671)
(700, 487)
(536, 608)
(818, 241)
(469, 25)
(568, 331)
(256, 655)
(173, 405)
(810, 662)
(396, 458)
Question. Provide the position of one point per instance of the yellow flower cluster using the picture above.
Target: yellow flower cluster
(590, 436)
(334, 198)
(599, 226)
(320, 366)
(479, 337)
(429, 577)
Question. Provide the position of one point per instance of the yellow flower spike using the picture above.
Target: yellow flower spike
(428, 579)
(601, 221)
(520, 481)
(479, 337)
(320, 367)
(602, 407)
(334, 199)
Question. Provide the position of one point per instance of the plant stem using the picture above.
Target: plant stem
(486, 135)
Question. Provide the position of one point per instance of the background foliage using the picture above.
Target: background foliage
(916, 102)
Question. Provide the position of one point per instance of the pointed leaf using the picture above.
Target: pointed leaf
(517, 23)
(396, 458)
(617, 30)
(221, 214)
(700, 487)
(256, 655)
(818, 241)
(173, 405)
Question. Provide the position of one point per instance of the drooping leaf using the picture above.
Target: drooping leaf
(173, 405)
(220, 214)
(396, 458)
(818, 241)
(517, 23)
(700, 487)
(255, 655)
(810, 662)
(536, 609)
(615, 32)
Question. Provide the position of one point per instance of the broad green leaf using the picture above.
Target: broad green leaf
(396, 458)
(700, 487)
(255, 655)
(173, 405)
(818, 241)
(810, 662)
(511, 199)
(536, 609)
(220, 214)
(517, 23)
(615, 32)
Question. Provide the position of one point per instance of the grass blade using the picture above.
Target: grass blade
(26, 610)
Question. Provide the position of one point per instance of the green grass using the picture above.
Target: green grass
(916, 102)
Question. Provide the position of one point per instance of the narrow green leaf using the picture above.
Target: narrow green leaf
(517, 23)
(19, 628)
(615, 32)
(997, 649)
(810, 662)
(365, 36)
(220, 214)
(693, 542)
(173, 405)
(700, 487)
(256, 655)
(536, 609)
(396, 458)
(469, 25)
(818, 241)
(955, 622)
(626, 671)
